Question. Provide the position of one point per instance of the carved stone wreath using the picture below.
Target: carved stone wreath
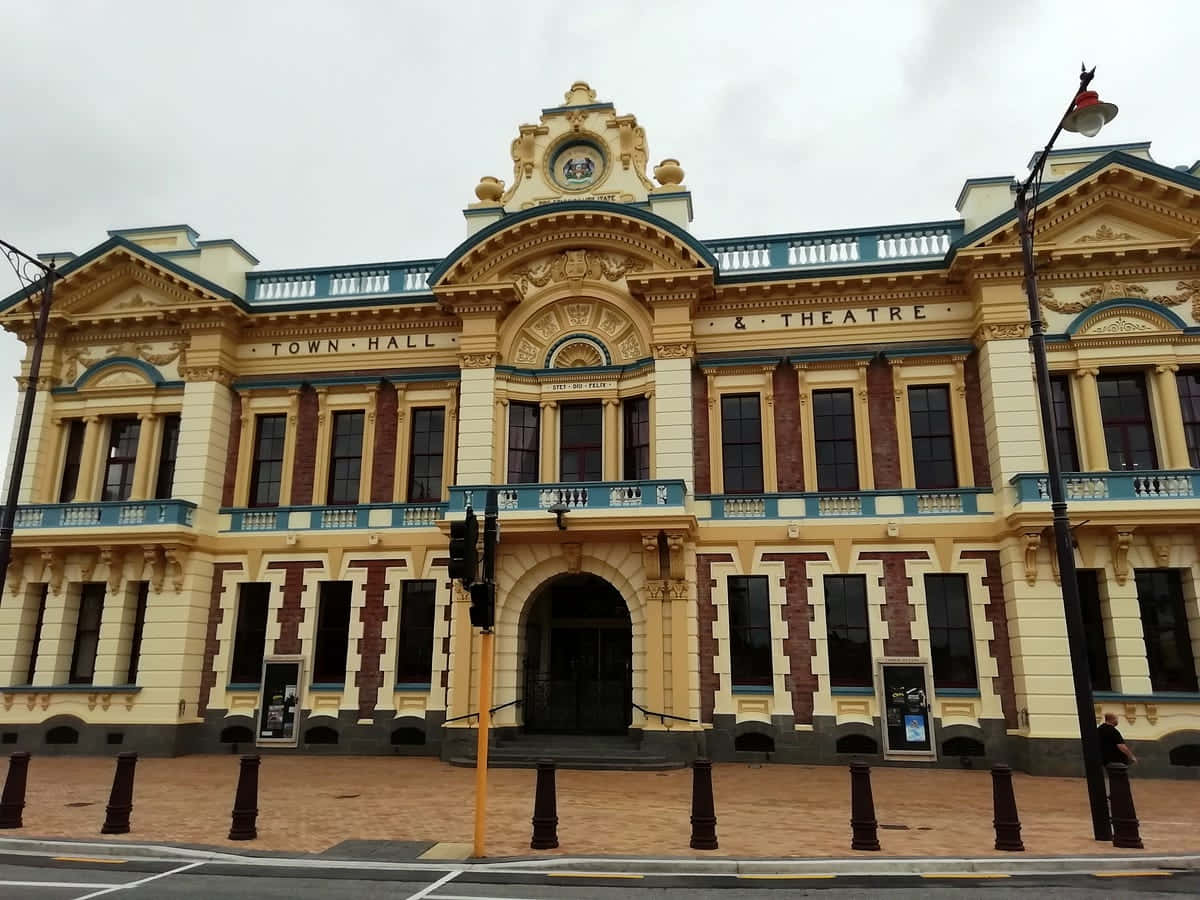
(577, 265)
(1188, 291)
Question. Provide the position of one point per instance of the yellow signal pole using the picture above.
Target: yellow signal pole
(481, 751)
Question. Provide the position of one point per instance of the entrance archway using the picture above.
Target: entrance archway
(578, 658)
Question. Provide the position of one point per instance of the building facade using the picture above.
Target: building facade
(780, 494)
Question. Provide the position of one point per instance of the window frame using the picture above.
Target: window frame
(1186, 679)
(258, 460)
(126, 463)
(523, 455)
(337, 491)
(140, 605)
(941, 660)
(743, 653)
(88, 591)
(1187, 382)
(168, 456)
(582, 451)
(1124, 423)
(242, 639)
(425, 495)
(923, 478)
(845, 672)
(836, 442)
(72, 466)
(416, 639)
(727, 444)
(1095, 638)
(635, 438)
(39, 622)
(331, 637)
(1063, 415)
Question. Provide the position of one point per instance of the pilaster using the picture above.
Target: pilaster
(203, 438)
(1091, 423)
(611, 439)
(1166, 389)
(91, 460)
(149, 432)
(548, 439)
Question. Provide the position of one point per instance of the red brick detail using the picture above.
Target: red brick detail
(975, 426)
(306, 448)
(799, 645)
(231, 450)
(448, 617)
(216, 615)
(897, 611)
(885, 447)
(369, 677)
(789, 459)
(290, 614)
(383, 457)
(998, 646)
(700, 432)
(710, 681)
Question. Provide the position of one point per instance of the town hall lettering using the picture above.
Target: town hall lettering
(334, 345)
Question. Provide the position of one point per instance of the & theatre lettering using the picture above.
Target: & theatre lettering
(844, 316)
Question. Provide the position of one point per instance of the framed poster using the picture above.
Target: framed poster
(279, 701)
(905, 704)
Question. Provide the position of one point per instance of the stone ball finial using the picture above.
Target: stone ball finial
(579, 94)
(490, 189)
(669, 173)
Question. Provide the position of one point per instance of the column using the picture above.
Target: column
(203, 443)
(1171, 424)
(116, 636)
(58, 633)
(1091, 423)
(673, 415)
(500, 463)
(548, 435)
(322, 441)
(1010, 411)
(90, 460)
(403, 442)
(655, 652)
(476, 432)
(612, 439)
(149, 426)
(1127, 661)
(770, 458)
(367, 467)
(39, 444)
(862, 434)
(49, 475)
(450, 444)
(960, 422)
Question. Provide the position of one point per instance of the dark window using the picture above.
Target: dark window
(122, 457)
(1189, 402)
(333, 633)
(833, 435)
(74, 454)
(139, 625)
(637, 439)
(582, 434)
(1093, 629)
(169, 451)
(414, 657)
(345, 457)
(1126, 416)
(250, 635)
(1165, 628)
(523, 435)
(932, 436)
(1064, 423)
(87, 633)
(848, 631)
(741, 444)
(266, 472)
(425, 461)
(951, 644)
(749, 630)
(37, 634)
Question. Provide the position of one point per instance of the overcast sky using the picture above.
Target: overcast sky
(345, 132)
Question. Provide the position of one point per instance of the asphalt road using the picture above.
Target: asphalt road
(67, 878)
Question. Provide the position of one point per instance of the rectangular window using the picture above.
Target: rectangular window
(164, 484)
(1189, 402)
(345, 457)
(523, 437)
(833, 435)
(425, 460)
(414, 657)
(951, 644)
(932, 436)
(1125, 413)
(749, 630)
(122, 457)
(1165, 629)
(37, 634)
(741, 444)
(87, 632)
(581, 442)
(637, 438)
(71, 460)
(333, 633)
(266, 471)
(1064, 423)
(139, 625)
(250, 633)
(1093, 629)
(848, 631)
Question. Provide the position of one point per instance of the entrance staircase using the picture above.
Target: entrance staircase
(572, 751)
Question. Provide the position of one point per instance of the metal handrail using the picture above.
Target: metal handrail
(491, 712)
(662, 717)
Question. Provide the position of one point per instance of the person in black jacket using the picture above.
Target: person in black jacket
(1113, 748)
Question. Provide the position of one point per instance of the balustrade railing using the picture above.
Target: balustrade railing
(108, 513)
(334, 518)
(351, 281)
(572, 496)
(1172, 484)
(817, 505)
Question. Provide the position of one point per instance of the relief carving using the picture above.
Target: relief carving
(575, 264)
(1105, 233)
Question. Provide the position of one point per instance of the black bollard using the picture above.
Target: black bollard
(245, 801)
(120, 801)
(864, 828)
(12, 801)
(545, 809)
(1004, 807)
(1124, 817)
(704, 816)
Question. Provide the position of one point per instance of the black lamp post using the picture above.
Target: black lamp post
(30, 271)
(1085, 115)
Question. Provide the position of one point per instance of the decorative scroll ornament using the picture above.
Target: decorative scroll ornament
(578, 354)
(1033, 540)
(477, 360)
(672, 351)
(1121, 325)
(577, 265)
(1105, 233)
(1002, 331)
(1118, 290)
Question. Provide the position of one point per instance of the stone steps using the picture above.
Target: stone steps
(601, 753)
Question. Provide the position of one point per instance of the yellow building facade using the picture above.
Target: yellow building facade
(779, 496)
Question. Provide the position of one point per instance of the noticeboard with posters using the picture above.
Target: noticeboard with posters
(905, 705)
(279, 701)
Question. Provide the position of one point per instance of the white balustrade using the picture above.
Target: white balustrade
(939, 503)
(741, 257)
(286, 287)
(745, 508)
(818, 251)
(416, 279)
(369, 282)
(81, 515)
(30, 518)
(625, 495)
(342, 517)
(572, 498)
(258, 521)
(422, 515)
(839, 506)
(661, 494)
(913, 244)
(1150, 486)
(1084, 488)
(132, 515)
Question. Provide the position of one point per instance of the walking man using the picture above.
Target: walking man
(1113, 748)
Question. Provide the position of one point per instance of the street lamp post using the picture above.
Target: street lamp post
(1086, 115)
(22, 263)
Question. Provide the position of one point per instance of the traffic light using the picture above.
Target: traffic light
(464, 559)
(483, 604)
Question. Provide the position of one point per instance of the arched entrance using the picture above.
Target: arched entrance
(578, 658)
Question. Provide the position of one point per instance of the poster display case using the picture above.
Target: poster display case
(905, 708)
(279, 702)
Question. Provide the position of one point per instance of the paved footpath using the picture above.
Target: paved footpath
(311, 804)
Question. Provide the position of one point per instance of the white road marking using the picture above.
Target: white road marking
(425, 891)
(133, 884)
(51, 884)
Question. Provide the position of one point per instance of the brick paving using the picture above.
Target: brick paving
(310, 803)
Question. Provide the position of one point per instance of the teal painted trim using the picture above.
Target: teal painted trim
(626, 369)
(555, 110)
(144, 367)
(581, 496)
(250, 384)
(935, 350)
(412, 686)
(852, 690)
(722, 362)
(1123, 302)
(243, 686)
(1164, 697)
(346, 517)
(832, 355)
(105, 513)
(750, 276)
(979, 182)
(351, 268)
(968, 499)
(409, 298)
(956, 691)
(751, 689)
(578, 336)
(73, 689)
(327, 686)
(702, 252)
(192, 234)
(949, 224)
(1099, 148)
(1061, 338)
(230, 242)
(63, 255)
(161, 386)
(1148, 485)
(485, 211)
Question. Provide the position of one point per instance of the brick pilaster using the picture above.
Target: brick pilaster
(216, 615)
(789, 454)
(306, 448)
(700, 432)
(885, 447)
(383, 463)
(998, 646)
(975, 424)
(369, 677)
(290, 613)
(231, 451)
(897, 610)
(799, 645)
(710, 681)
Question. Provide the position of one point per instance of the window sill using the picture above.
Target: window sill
(1164, 697)
(327, 686)
(412, 686)
(71, 689)
(244, 686)
(853, 690)
(956, 691)
(752, 689)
